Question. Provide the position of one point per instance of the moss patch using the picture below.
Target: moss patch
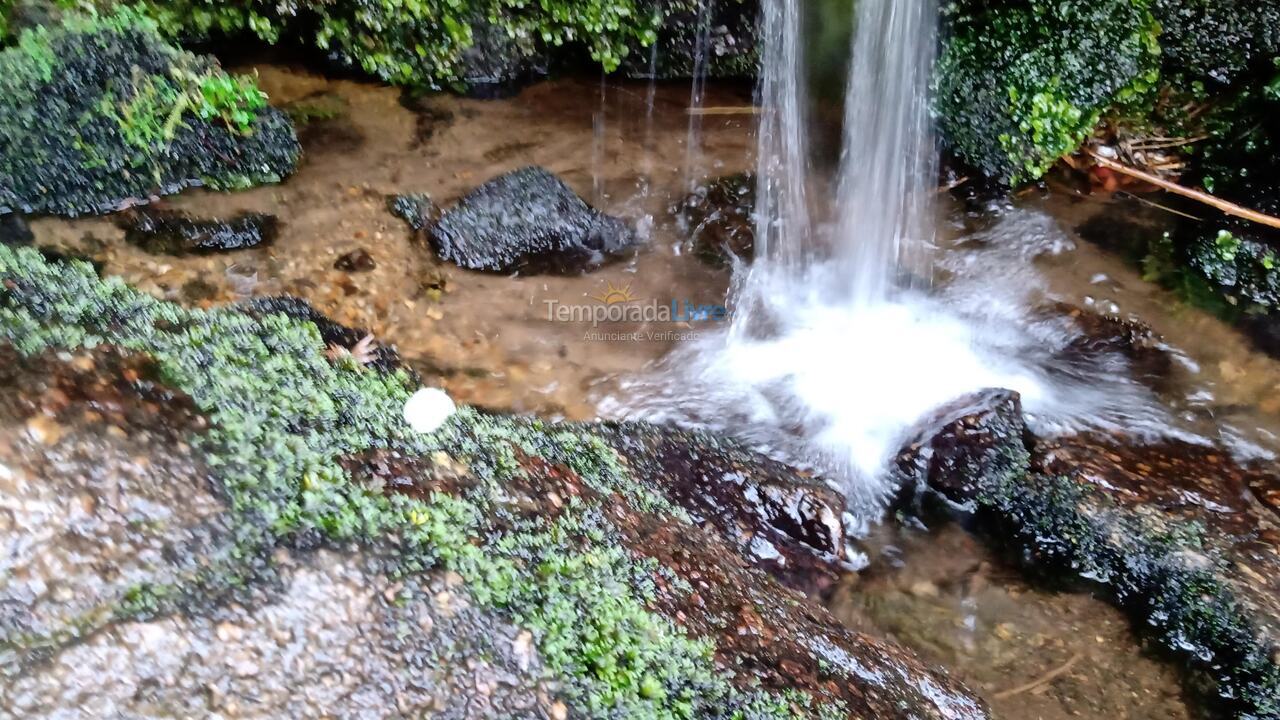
(282, 419)
(101, 111)
(1020, 84)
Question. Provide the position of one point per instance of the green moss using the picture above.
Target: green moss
(422, 43)
(282, 415)
(99, 110)
(1064, 526)
(1020, 84)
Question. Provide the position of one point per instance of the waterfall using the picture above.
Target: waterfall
(831, 356)
(888, 166)
(782, 225)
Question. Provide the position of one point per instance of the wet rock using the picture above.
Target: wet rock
(175, 233)
(788, 524)
(496, 64)
(1096, 334)
(961, 446)
(358, 260)
(1178, 534)
(719, 220)
(14, 230)
(454, 545)
(385, 358)
(105, 495)
(340, 638)
(528, 221)
(417, 209)
(66, 148)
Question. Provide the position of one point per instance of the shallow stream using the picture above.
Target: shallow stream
(489, 340)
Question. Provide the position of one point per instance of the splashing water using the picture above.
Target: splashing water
(831, 356)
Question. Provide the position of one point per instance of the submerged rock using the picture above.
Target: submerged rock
(500, 566)
(101, 113)
(719, 218)
(176, 233)
(15, 231)
(527, 221)
(1178, 534)
(358, 260)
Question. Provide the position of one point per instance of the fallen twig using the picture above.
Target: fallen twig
(1203, 197)
(1040, 681)
(953, 184)
(1165, 208)
(725, 110)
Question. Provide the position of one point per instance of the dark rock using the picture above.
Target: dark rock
(385, 358)
(962, 445)
(1178, 534)
(719, 220)
(358, 260)
(416, 209)
(496, 65)
(528, 221)
(1148, 357)
(789, 525)
(176, 233)
(14, 230)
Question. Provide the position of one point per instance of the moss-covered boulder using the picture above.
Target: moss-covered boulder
(1021, 83)
(1178, 534)
(100, 112)
(307, 538)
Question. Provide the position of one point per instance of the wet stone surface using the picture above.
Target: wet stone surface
(176, 233)
(340, 639)
(1178, 534)
(98, 494)
(785, 522)
(529, 221)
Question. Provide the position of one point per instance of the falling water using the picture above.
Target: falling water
(782, 225)
(888, 165)
(830, 357)
(701, 61)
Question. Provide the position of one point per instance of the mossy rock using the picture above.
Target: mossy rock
(568, 536)
(1021, 83)
(100, 113)
(1180, 535)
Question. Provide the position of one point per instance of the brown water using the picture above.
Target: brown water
(488, 341)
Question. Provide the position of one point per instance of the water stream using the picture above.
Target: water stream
(839, 340)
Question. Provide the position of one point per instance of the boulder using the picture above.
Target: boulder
(527, 221)
(1180, 535)
(497, 567)
(100, 113)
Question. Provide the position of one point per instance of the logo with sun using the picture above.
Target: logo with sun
(615, 294)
